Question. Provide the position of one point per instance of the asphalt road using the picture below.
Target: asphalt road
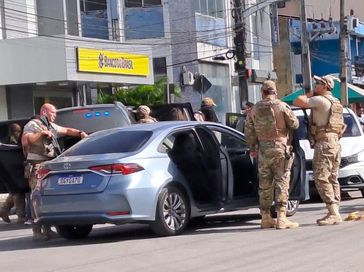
(228, 242)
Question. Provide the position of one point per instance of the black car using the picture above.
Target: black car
(88, 118)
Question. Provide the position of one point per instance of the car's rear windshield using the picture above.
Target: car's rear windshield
(352, 128)
(91, 120)
(113, 142)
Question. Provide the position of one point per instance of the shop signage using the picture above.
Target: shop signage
(112, 62)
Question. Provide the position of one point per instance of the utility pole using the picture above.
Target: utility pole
(343, 56)
(240, 50)
(305, 48)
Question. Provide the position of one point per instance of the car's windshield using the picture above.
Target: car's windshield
(113, 142)
(352, 128)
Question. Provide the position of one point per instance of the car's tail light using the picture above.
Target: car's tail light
(41, 173)
(118, 168)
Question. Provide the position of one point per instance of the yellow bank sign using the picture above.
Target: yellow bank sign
(112, 62)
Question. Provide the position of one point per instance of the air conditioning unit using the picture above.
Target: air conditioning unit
(352, 23)
(187, 78)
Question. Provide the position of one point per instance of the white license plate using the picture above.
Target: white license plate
(70, 180)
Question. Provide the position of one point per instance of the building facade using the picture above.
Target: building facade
(324, 28)
(66, 51)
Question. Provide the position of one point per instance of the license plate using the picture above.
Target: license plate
(70, 180)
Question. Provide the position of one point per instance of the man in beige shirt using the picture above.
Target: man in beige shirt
(326, 127)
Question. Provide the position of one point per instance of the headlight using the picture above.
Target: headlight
(358, 157)
(361, 155)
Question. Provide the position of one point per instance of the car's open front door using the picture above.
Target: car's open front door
(12, 169)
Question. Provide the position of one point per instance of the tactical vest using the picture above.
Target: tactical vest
(335, 122)
(269, 120)
(38, 150)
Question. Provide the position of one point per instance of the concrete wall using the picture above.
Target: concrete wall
(32, 60)
(184, 47)
(3, 105)
(42, 59)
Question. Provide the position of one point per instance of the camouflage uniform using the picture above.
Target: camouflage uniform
(270, 138)
(37, 153)
(327, 149)
(274, 159)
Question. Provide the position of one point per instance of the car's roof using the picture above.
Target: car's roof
(93, 106)
(160, 126)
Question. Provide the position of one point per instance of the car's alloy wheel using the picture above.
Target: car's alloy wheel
(73, 232)
(173, 212)
(292, 207)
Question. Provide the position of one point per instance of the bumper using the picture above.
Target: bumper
(350, 177)
(136, 205)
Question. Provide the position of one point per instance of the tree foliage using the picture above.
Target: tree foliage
(139, 95)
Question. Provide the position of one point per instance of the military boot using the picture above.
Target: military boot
(333, 218)
(37, 234)
(283, 222)
(267, 220)
(5, 209)
(325, 217)
(19, 201)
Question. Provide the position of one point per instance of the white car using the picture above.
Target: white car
(351, 173)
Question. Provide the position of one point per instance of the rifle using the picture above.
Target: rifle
(54, 141)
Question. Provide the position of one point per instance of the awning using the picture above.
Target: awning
(355, 94)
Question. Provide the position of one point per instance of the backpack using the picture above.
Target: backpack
(269, 122)
(336, 123)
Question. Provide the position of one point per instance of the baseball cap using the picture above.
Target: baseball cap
(208, 101)
(145, 110)
(327, 80)
(269, 86)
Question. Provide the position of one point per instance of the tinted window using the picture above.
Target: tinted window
(352, 128)
(91, 120)
(229, 141)
(114, 142)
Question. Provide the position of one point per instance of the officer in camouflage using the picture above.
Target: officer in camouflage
(39, 143)
(267, 131)
(326, 126)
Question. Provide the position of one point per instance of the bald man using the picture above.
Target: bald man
(38, 146)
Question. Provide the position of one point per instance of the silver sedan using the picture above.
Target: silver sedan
(163, 174)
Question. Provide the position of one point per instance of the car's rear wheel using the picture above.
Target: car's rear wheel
(172, 213)
(73, 232)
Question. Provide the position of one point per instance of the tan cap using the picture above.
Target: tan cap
(208, 101)
(144, 110)
(269, 86)
(327, 80)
